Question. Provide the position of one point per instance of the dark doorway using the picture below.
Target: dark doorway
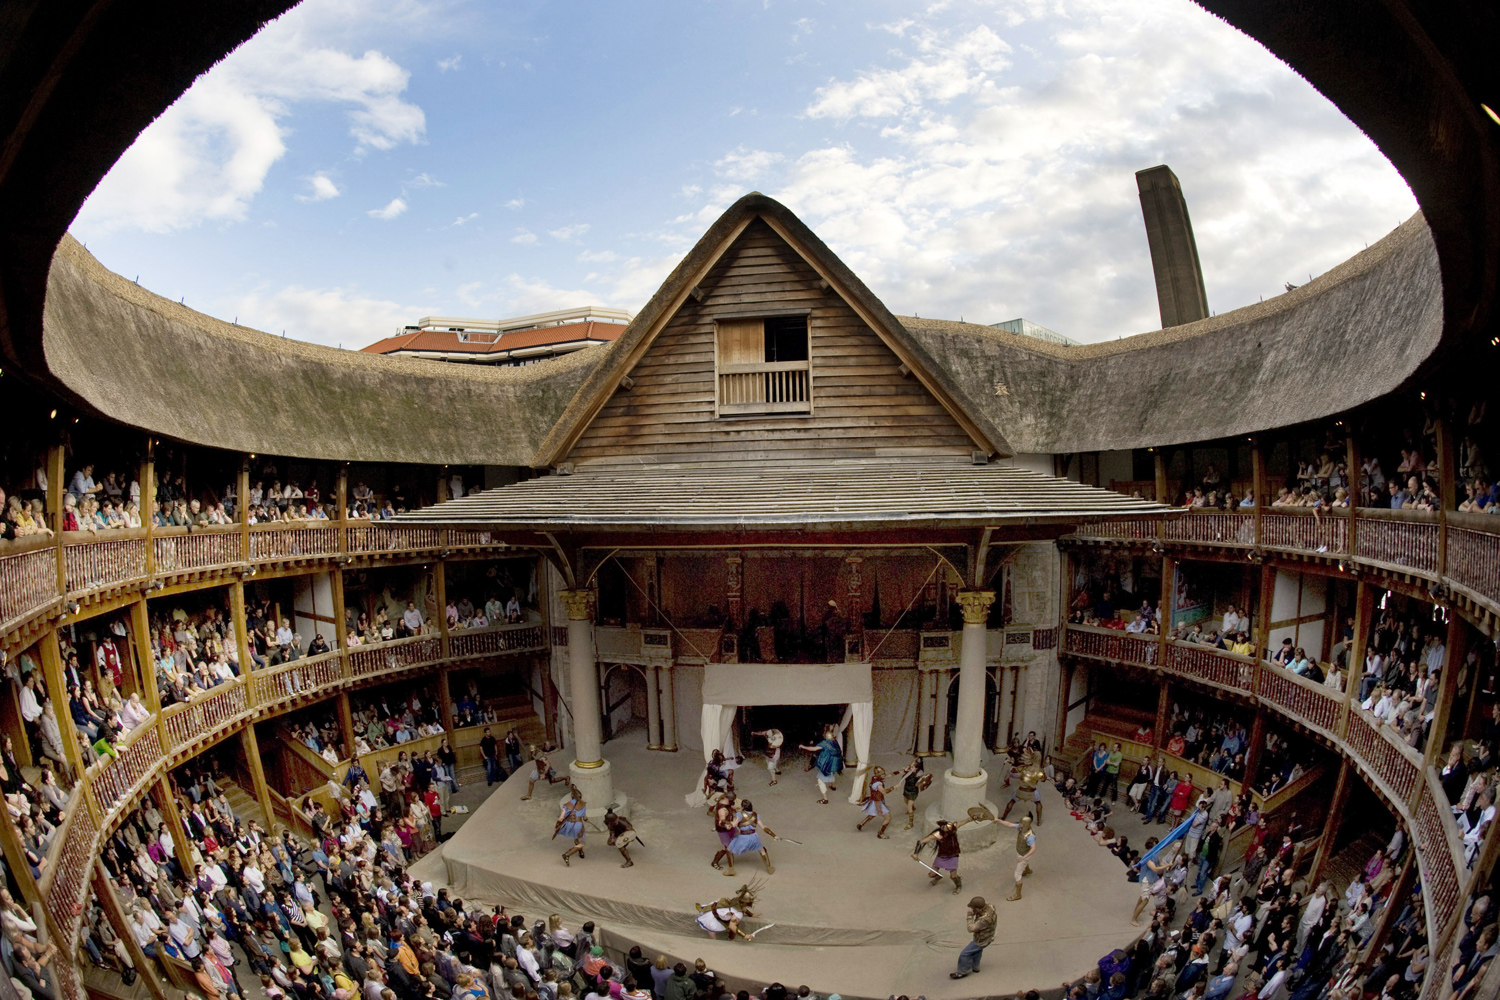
(798, 724)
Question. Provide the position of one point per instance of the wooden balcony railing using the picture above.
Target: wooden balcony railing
(1211, 665)
(1395, 766)
(1310, 703)
(289, 681)
(113, 780)
(1399, 539)
(28, 582)
(1128, 530)
(1440, 857)
(300, 541)
(495, 639)
(398, 654)
(98, 562)
(1216, 527)
(772, 387)
(69, 878)
(1303, 531)
(205, 715)
(1474, 554)
(1112, 644)
(388, 537)
(177, 550)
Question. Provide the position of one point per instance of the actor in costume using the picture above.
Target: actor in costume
(774, 740)
(570, 822)
(1025, 848)
(724, 812)
(720, 917)
(828, 762)
(874, 804)
(718, 775)
(945, 837)
(1031, 777)
(541, 770)
(621, 835)
(914, 781)
(746, 840)
(1016, 754)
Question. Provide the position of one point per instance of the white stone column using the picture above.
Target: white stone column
(653, 710)
(964, 784)
(924, 710)
(668, 707)
(589, 770)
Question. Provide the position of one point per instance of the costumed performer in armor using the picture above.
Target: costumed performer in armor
(1015, 752)
(914, 780)
(724, 810)
(541, 770)
(718, 776)
(946, 839)
(621, 835)
(828, 762)
(747, 837)
(774, 740)
(570, 822)
(1025, 848)
(874, 804)
(1031, 777)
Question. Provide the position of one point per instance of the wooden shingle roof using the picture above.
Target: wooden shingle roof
(855, 493)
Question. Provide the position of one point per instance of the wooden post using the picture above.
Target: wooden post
(440, 595)
(1447, 488)
(104, 891)
(549, 686)
(445, 698)
(173, 815)
(140, 634)
(258, 774)
(1353, 460)
(1160, 465)
(147, 481)
(340, 619)
(1394, 904)
(341, 494)
(1257, 484)
(346, 723)
(1257, 743)
(1333, 822)
(57, 691)
(242, 510)
(237, 617)
(55, 511)
(1067, 668)
(1163, 706)
(1164, 605)
(1456, 650)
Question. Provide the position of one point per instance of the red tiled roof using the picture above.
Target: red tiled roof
(447, 340)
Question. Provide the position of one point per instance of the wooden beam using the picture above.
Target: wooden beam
(1257, 743)
(1163, 707)
(55, 512)
(104, 891)
(1333, 821)
(1447, 487)
(1456, 650)
(147, 482)
(166, 800)
(1352, 461)
(140, 636)
(57, 691)
(1160, 464)
(346, 723)
(1257, 484)
(261, 790)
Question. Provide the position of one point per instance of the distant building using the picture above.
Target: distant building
(523, 340)
(1027, 328)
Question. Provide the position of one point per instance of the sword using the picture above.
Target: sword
(928, 867)
(788, 840)
(752, 934)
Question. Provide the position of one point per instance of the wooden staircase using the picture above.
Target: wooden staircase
(514, 711)
(244, 804)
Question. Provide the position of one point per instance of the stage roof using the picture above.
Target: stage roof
(854, 493)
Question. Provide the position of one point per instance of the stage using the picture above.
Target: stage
(854, 914)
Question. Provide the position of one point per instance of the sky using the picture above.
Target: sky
(360, 164)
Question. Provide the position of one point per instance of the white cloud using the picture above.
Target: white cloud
(393, 208)
(465, 219)
(598, 257)
(569, 232)
(523, 236)
(968, 187)
(745, 165)
(425, 180)
(452, 63)
(942, 71)
(207, 157)
(515, 203)
(332, 316)
(323, 188)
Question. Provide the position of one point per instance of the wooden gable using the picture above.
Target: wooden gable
(672, 409)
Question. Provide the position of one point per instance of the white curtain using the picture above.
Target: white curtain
(716, 728)
(860, 718)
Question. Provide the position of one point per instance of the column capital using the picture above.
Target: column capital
(976, 605)
(580, 604)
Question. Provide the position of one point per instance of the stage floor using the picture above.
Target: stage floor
(854, 915)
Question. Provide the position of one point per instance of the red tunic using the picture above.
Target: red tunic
(1180, 795)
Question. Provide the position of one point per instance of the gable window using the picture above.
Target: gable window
(763, 365)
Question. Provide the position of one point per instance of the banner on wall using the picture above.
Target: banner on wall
(1192, 598)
